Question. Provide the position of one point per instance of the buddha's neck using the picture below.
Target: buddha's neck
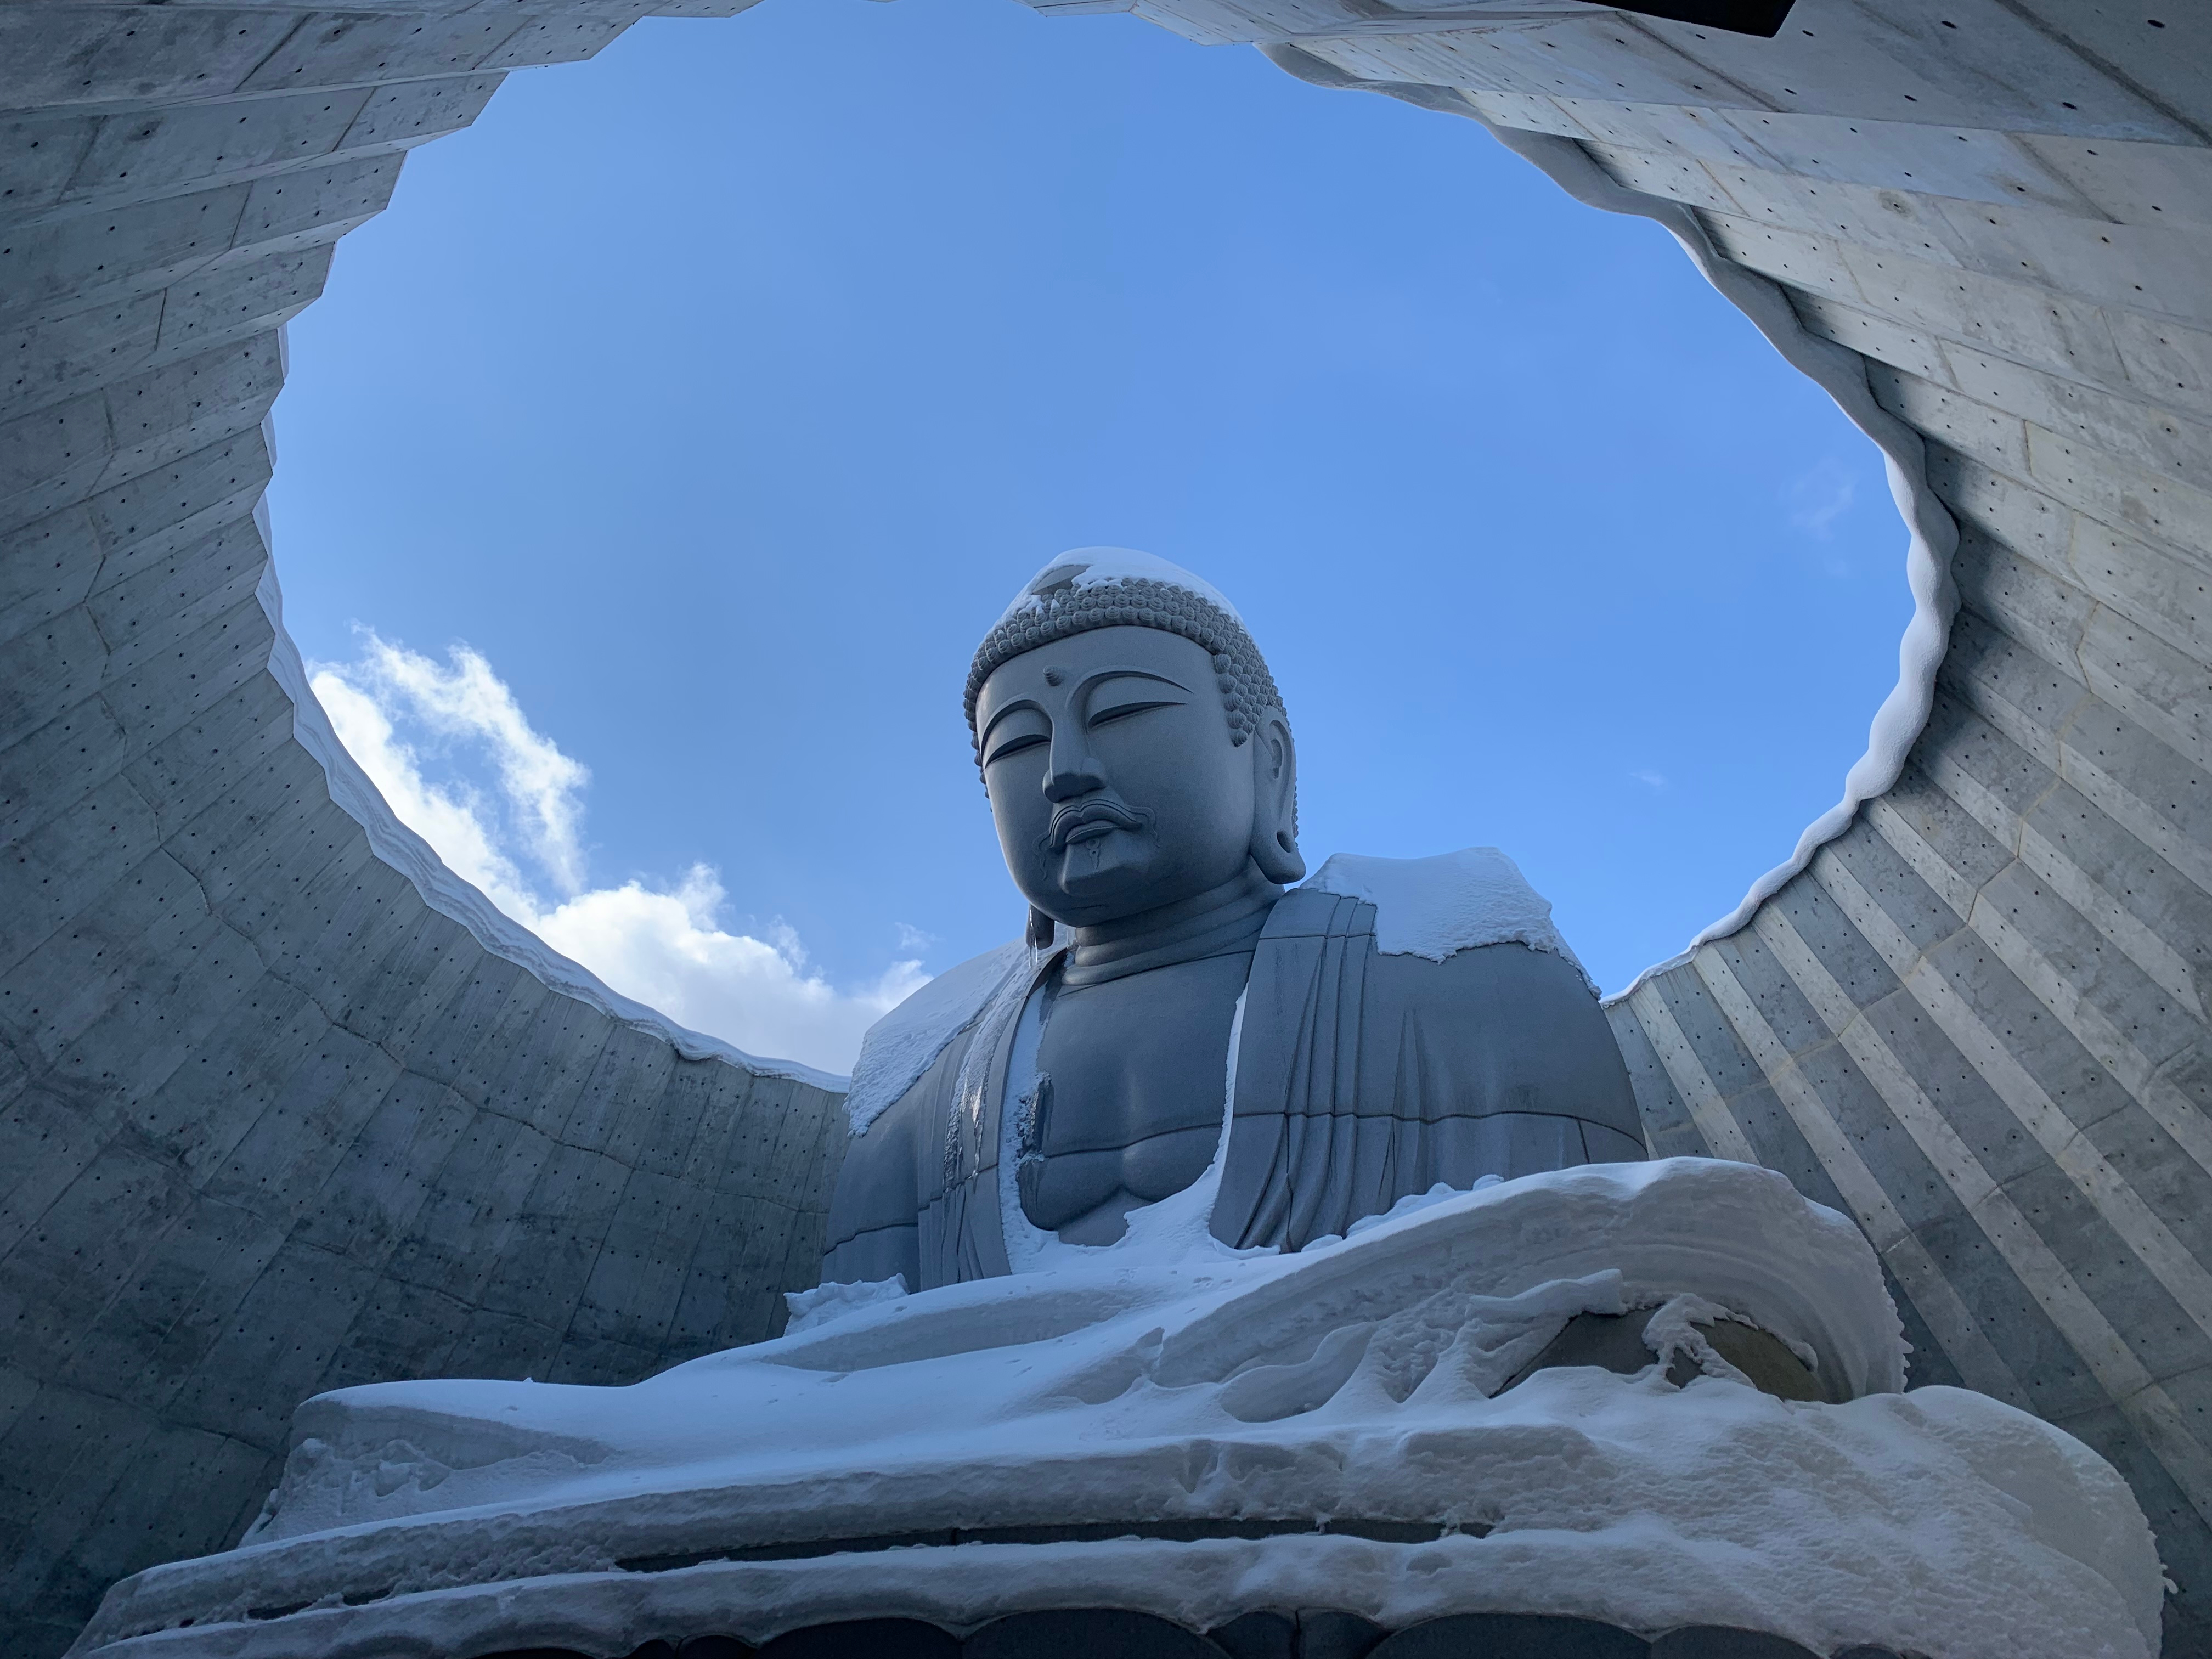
(1220, 922)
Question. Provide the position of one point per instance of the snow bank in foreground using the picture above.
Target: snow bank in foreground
(1359, 1381)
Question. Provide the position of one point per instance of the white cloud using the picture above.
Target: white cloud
(1652, 779)
(1820, 496)
(664, 948)
(468, 702)
(452, 817)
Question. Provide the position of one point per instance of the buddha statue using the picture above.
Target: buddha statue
(1219, 1271)
(1143, 779)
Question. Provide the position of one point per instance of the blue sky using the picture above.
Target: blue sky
(716, 395)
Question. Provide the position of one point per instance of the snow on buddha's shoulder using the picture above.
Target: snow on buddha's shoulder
(1436, 906)
(1429, 908)
(905, 1042)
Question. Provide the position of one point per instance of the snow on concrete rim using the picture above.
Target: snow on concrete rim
(1841, 372)
(905, 1042)
(1436, 906)
(1109, 567)
(448, 893)
(1837, 370)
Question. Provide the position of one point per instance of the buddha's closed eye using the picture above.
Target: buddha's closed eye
(1022, 727)
(1122, 711)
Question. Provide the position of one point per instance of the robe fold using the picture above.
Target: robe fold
(1360, 1078)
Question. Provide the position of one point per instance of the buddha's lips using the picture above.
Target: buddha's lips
(1082, 820)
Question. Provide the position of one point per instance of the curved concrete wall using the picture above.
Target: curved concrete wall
(269, 1119)
(1978, 1020)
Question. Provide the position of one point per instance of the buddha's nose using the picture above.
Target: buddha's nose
(1072, 772)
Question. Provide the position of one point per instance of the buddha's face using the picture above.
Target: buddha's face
(1113, 778)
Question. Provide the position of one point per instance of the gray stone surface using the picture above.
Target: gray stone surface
(271, 1118)
(1143, 779)
(2008, 211)
(269, 1121)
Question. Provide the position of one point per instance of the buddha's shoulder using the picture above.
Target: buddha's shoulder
(1465, 971)
(1440, 926)
(900, 1049)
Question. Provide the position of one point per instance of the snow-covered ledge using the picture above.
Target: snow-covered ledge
(1363, 1426)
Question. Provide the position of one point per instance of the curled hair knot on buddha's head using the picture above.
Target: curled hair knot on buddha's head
(1114, 587)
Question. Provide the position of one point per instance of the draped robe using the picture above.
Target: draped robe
(1360, 1078)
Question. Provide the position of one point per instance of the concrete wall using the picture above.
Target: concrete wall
(1977, 1021)
(272, 1121)
(269, 1122)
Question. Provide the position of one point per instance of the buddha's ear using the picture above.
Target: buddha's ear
(1275, 799)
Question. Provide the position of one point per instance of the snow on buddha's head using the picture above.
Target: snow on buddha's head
(1118, 586)
(1132, 739)
(1086, 568)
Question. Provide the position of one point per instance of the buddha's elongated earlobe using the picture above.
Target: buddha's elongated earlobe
(1275, 799)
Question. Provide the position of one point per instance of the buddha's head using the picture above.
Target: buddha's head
(1132, 740)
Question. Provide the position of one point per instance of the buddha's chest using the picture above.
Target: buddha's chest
(1137, 1071)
